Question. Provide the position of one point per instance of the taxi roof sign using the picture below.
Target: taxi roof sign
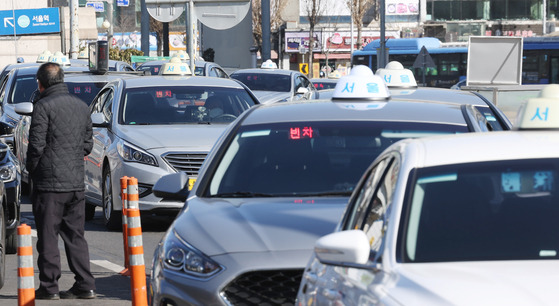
(175, 67)
(395, 75)
(59, 58)
(44, 56)
(268, 64)
(182, 55)
(361, 83)
(541, 112)
(334, 74)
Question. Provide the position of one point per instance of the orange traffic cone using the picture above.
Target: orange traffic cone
(124, 197)
(25, 274)
(135, 246)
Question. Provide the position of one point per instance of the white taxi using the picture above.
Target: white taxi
(467, 219)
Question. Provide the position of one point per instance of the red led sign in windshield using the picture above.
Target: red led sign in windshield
(300, 133)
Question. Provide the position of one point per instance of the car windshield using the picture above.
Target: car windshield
(153, 69)
(308, 158)
(485, 211)
(86, 91)
(23, 89)
(183, 104)
(265, 81)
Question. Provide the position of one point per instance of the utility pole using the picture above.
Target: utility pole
(74, 30)
(145, 28)
(266, 45)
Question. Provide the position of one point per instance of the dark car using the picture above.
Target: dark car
(202, 68)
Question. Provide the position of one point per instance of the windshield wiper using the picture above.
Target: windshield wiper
(327, 194)
(243, 194)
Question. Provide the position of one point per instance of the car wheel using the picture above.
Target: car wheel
(113, 219)
(2, 247)
(89, 211)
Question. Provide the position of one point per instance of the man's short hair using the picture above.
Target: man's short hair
(50, 74)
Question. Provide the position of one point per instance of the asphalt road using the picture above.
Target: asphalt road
(107, 261)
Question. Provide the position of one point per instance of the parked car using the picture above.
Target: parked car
(150, 126)
(201, 68)
(2, 236)
(10, 175)
(279, 178)
(276, 85)
(461, 220)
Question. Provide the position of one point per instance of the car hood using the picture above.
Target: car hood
(271, 96)
(489, 283)
(172, 136)
(220, 226)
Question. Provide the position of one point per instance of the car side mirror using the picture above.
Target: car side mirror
(98, 120)
(24, 108)
(172, 187)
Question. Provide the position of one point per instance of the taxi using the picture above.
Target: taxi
(279, 178)
(272, 85)
(450, 220)
(150, 126)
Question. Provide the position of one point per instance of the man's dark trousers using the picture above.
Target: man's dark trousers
(61, 213)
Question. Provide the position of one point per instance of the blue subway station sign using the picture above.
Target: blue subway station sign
(30, 21)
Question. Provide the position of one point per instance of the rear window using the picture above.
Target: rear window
(265, 81)
(303, 158)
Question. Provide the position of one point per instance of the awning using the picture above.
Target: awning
(332, 56)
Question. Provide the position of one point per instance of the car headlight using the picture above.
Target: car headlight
(177, 255)
(131, 153)
(8, 173)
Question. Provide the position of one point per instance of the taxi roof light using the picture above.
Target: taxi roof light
(269, 64)
(395, 75)
(59, 58)
(361, 83)
(44, 56)
(175, 67)
(182, 55)
(541, 112)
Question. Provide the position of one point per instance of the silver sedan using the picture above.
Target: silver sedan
(152, 126)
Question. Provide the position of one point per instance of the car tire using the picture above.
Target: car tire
(11, 241)
(2, 246)
(113, 218)
(89, 211)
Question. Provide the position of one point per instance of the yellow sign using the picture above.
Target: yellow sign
(191, 181)
(304, 68)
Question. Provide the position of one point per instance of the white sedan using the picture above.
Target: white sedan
(450, 220)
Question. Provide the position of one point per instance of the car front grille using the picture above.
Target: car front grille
(185, 161)
(278, 287)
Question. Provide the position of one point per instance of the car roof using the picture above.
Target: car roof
(266, 71)
(352, 110)
(441, 95)
(324, 80)
(161, 80)
(481, 147)
(91, 77)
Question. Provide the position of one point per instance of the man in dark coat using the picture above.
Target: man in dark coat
(59, 137)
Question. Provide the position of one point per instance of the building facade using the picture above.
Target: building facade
(451, 21)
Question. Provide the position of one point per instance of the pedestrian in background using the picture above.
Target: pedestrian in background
(59, 137)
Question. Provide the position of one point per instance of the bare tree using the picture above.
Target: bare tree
(276, 7)
(358, 9)
(314, 10)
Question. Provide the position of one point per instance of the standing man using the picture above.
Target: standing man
(59, 137)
